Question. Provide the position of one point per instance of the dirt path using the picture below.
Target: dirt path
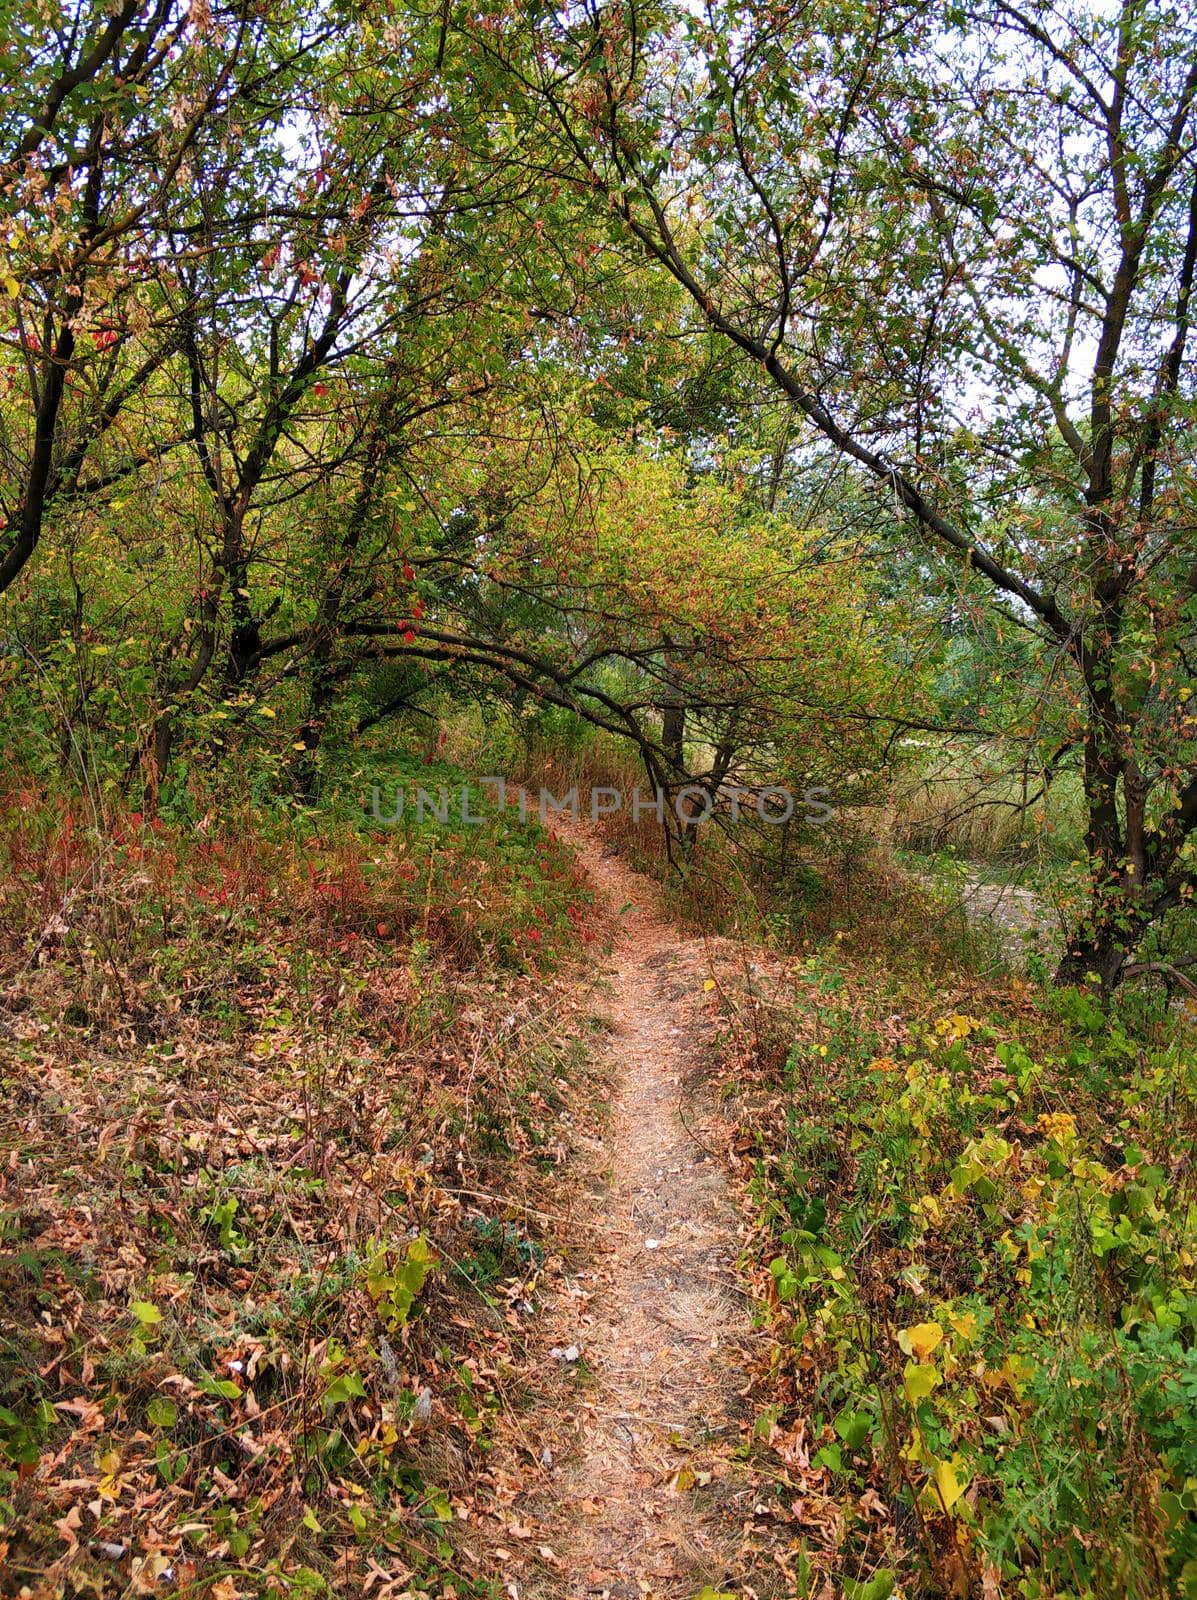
(646, 1500)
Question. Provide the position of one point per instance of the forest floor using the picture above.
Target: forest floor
(387, 1220)
(653, 1336)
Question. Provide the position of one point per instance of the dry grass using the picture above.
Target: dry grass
(972, 801)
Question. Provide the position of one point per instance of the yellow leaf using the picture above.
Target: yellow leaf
(930, 1208)
(920, 1340)
(965, 1324)
(957, 1026)
(267, 711)
(11, 287)
(918, 1380)
(1016, 1372)
(708, 985)
(947, 1482)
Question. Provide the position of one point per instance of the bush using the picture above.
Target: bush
(981, 1248)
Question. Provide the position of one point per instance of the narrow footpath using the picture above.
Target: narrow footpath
(649, 1499)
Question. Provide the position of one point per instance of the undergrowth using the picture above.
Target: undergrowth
(974, 1245)
(283, 1101)
(780, 885)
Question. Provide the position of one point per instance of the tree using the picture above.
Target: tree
(609, 582)
(960, 240)
(317, 285)
(105, 111)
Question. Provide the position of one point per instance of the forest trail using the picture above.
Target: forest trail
(646, 1501)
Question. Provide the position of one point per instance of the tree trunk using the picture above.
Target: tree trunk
(673, 732)
(1100, 956)
(305, 771)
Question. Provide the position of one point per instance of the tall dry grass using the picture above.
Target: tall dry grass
(975, 802)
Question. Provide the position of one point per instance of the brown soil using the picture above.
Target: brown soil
(642, 1495)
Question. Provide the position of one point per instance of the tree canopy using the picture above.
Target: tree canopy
(643, 359)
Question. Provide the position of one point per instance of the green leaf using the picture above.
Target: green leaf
(439, 1504)
(163, 1413)
(347, 1387)
(879, 1587)
(145, 1313)
(224, 1388)
(854, 1427)
(168, 1464)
